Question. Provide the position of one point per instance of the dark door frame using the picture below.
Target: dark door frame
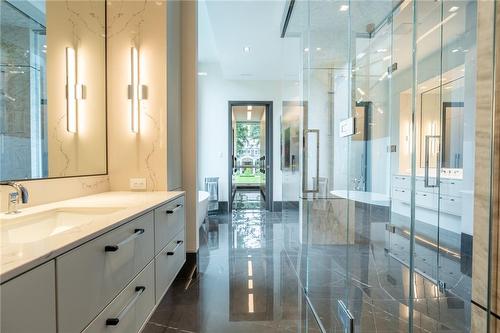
(269, 150)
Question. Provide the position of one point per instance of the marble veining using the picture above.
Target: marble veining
(156, 141)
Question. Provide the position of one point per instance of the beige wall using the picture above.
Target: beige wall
(189, 18)
(49, 190)
(483, 158)
(142, 24)
(143, 155)
(70, 24)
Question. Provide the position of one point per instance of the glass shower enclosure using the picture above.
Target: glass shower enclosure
(381, 158)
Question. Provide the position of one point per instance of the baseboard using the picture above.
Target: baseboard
(222, 208)
(190, 268)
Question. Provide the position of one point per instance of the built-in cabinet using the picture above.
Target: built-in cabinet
(29, 301)
(449, 194)
(114, 281)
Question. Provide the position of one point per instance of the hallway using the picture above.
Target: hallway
(246, 282)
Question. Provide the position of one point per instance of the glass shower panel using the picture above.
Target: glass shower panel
(456, 175)
(385, 142)
(376, 272)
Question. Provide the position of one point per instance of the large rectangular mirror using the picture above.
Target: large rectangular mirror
(52, 89)
(442, 120)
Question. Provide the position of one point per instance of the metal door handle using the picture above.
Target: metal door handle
(171, 211)
(114, 248)
(305, 168)
(115, 321)
(427, 162)
(171, 253)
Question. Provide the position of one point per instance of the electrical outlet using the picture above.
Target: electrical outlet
(137, 183)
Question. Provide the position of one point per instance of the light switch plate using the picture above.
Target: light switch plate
(137, 183)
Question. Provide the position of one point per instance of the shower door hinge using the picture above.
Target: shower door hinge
(441, 286)
(390, 227)
(392, 149)
(392, 68)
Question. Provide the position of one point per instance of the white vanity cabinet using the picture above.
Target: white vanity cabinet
(29, 301)
(109, 282)
(168, 262)
(130, 309)
(91, 275)
(169, 220)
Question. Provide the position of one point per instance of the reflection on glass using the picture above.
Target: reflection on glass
(407, 173)
(52, 89)
(23, 100)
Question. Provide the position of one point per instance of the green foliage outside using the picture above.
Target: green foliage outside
(247, 135)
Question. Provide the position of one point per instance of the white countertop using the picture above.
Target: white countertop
(24, 245)
(371, 198)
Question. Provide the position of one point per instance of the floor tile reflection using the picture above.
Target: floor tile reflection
(255, 266)
(245, 284)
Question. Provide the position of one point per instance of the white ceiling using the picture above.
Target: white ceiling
(227, 27)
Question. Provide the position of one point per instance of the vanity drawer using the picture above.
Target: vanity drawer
(451, 187)
(425, 200)
(130, 309)
(91, 275)
(401, 194)
(169, 219)
(451, 205)
(168, 263)
(28, 302)
(401, 181)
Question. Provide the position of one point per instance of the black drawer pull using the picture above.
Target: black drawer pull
(171, 253)
(114, 248)
(171, 211)
(115, 321)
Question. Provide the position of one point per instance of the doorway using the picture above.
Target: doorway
(250, 155)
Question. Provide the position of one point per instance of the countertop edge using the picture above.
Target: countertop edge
(6, 276)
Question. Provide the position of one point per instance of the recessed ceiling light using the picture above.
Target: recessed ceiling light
(454, 50)
(246, 49)
(387, 57)
(306, 49)
(318, 49)
(381, 50)
(466, 50)
(453, 9)
(202, 73)
(249, 107)
(343, 8)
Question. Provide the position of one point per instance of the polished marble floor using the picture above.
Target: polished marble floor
(254, 269)
(245, 282)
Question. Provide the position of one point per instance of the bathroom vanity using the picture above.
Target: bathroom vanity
(90, 264)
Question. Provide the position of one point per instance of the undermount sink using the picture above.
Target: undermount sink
(35, 227)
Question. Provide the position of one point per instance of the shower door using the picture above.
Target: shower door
(379, 162)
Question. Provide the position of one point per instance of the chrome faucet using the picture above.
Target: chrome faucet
(21, 193)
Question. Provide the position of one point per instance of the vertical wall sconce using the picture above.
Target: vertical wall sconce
(136, 91)
(74, 91)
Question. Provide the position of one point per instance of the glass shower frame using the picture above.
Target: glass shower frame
(350, 168)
